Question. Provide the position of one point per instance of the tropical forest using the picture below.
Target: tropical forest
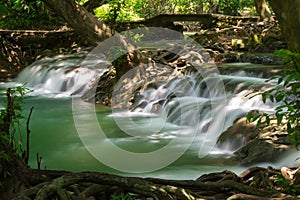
(149, 100)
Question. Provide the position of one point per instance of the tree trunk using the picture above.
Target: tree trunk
(288, 14)
(84, 23)
(95, 31)
(262, 9)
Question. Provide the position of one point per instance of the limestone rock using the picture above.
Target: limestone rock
(238, 135)
(256, 151)
(254, 145)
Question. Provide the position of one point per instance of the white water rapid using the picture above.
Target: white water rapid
(209, 110)
(191, 102)
(62, 75)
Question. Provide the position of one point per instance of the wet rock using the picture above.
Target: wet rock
(256, 151)
(254, 145)
(227, 58)
(267, 60)
(238, 135)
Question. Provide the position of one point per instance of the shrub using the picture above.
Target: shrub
(287, 94)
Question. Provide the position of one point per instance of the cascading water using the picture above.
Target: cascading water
(62, 75)
(187, 101)
(190, 101)
(184, 100)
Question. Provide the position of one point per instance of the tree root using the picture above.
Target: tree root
(93, 185)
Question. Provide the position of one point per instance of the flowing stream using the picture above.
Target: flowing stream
(154, 121)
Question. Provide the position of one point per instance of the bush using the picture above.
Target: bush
(10, 118)
(22, 14)
(233, 7)
(287, 94)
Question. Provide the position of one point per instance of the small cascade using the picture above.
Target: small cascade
(208, 105)
(203, 103)
(62, 75)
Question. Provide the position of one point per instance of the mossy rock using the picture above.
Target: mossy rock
(256, 151)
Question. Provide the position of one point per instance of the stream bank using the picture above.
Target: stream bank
(105, 84)
(256, 183)
(20, 48)
(226, 38)
(260, 186)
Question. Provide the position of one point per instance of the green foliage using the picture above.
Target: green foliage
(128, 10)
(115, 9)
(3, 10)
(119, 10)
(286, 184)
(287, 94)
(280, 180)
(10, 118)
(132, 37)
(290, 58)
(122, 196)
(81, 2)
(233, 7)
(23, 14)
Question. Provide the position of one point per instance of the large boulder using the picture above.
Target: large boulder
(257, 151)
(238, 135)
(254, 145)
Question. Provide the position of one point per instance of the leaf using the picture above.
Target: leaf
(282, 107)
(249, 117)
(290, 108)
(267, 119)
(297, 76)
(253, 115)
(271, 97)
(256, 117)
(279, 118)
(281, 52)
(289, 128)
(288, 79)
(284, 72)
(20, 90)
(279, 97)
(264, 97)
(4, 10)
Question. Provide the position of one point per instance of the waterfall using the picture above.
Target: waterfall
(208, 105)
(62, 75)
(189, 101)
(186, 93)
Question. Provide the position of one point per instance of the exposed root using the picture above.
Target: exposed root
(91, 185)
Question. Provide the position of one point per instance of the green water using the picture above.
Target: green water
(54, 137)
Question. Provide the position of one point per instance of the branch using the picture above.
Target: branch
(92, 4)
(27, 137)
